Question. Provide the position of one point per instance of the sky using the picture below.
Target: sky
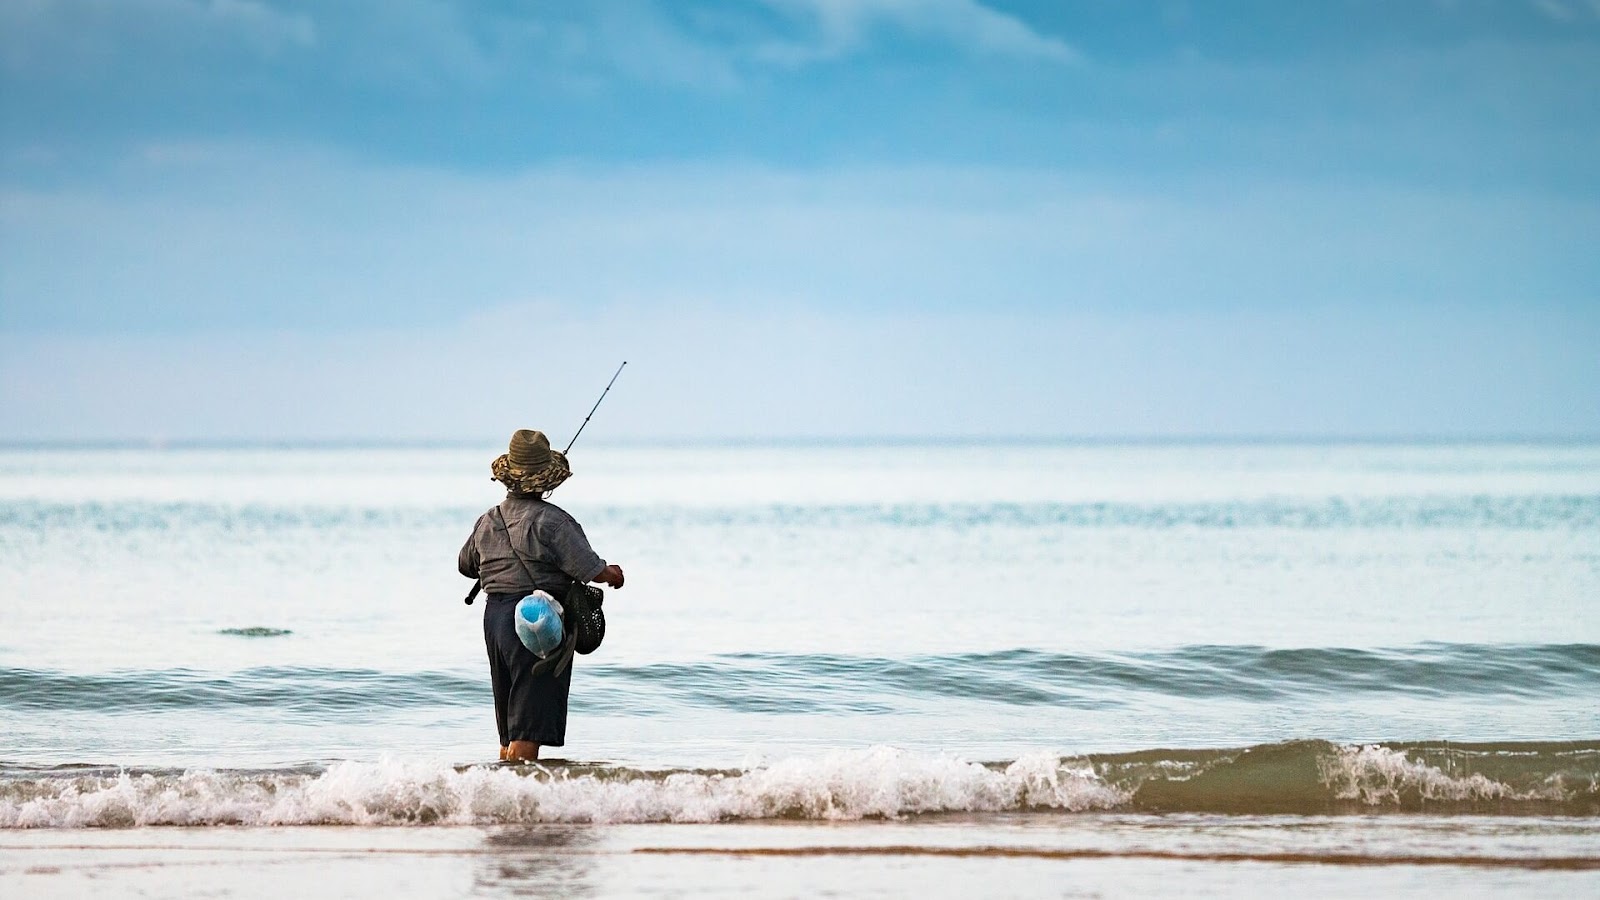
(415, 220)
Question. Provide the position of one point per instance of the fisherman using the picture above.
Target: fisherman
(530, 708)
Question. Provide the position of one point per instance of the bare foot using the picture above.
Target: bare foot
(522, 751)
(504, 753)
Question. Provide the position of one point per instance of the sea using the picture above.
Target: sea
(874, 668)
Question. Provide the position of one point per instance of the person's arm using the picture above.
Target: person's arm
(611, 574)
(565, 540)
(467, 559)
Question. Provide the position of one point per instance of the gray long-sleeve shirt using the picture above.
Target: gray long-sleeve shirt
(554, 549)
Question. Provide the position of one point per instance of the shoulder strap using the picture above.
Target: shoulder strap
(558, 661)
(501, 521)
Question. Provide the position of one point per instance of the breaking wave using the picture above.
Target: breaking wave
(1310, 777)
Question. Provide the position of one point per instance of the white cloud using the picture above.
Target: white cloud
(83, 35)
(636, 40)
(845, 25)
(701, 373)
(221, 234)
(1567, 11)
(219, 292)
(262, 20)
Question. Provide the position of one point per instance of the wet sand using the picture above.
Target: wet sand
(1066, 856)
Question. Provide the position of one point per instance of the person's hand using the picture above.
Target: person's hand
(611, 575)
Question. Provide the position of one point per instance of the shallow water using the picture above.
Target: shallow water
(1029, 633)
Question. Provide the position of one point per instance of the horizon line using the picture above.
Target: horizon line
(909, 440)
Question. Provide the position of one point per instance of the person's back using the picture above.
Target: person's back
(527, 535)
(524, 544)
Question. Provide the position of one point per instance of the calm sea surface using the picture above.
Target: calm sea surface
(276, 636)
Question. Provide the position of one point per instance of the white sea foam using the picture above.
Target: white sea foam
(844, 785)
(1380, 776)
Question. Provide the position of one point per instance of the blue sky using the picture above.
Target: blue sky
(245, 219)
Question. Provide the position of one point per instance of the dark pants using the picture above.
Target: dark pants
(527, 707)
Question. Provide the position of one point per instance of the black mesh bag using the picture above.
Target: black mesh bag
(584, 617)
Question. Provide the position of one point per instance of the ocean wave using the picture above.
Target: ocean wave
(1310, 777)
(811, 683)
(292, 689)
(1525, 778)
(879, 782)
(1515, 511)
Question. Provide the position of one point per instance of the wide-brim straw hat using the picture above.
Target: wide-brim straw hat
(529, 466)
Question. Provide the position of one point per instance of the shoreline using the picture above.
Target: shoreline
(1098, 854)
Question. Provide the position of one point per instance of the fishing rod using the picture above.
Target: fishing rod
(595, 407)
(477, 586)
